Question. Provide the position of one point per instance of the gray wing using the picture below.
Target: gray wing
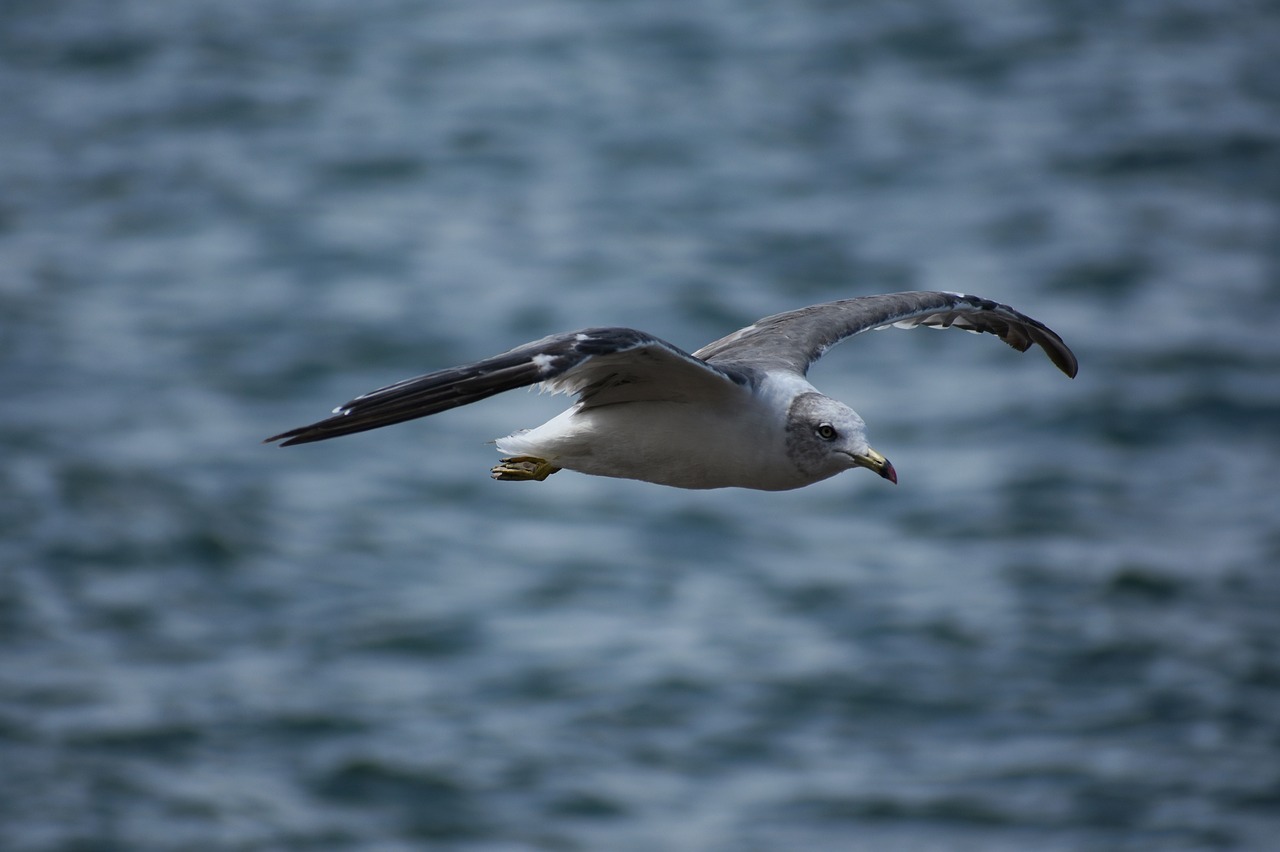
(601, 365)
(794, 340)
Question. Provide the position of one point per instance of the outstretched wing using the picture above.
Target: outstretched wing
(795, 339)
(601, 365)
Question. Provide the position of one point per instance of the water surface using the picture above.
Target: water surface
(219, 220)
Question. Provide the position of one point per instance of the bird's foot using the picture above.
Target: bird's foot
(520, 468)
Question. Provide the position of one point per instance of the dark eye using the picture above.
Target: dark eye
(827, 432)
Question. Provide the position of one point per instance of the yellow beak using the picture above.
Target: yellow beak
(873, 461)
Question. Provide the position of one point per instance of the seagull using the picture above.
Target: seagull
(738, 412)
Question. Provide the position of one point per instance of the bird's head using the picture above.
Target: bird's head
(825, 437)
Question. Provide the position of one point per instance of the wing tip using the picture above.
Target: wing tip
(312, 432)
(288, 439)
(1058, 351)
(1065, 360)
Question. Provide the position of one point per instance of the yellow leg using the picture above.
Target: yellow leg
(520, 468)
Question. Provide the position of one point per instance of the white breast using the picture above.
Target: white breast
(686, 445)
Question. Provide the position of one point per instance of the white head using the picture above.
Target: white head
(825, 437)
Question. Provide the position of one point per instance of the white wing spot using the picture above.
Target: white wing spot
(543, 362)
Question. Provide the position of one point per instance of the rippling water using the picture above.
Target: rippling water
(218, 220)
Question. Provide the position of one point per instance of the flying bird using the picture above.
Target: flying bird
(739, 412)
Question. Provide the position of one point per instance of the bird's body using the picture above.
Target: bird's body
(737, 413)
(718, 446)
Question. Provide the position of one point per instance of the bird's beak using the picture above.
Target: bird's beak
(873, 461)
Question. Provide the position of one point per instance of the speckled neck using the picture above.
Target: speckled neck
(803, 448)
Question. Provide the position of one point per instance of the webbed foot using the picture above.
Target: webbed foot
(520, 468)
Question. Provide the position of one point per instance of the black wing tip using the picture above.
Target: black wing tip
(322, 430)
(292, 437)
(1065, 360)
(1058, 351)
(1046, 338)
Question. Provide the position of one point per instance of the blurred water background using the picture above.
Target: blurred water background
(220, 219)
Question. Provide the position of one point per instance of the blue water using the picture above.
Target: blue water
(1061, 631)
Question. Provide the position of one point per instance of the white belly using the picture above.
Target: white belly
(670, 443)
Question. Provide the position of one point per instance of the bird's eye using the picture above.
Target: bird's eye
(827, 432)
